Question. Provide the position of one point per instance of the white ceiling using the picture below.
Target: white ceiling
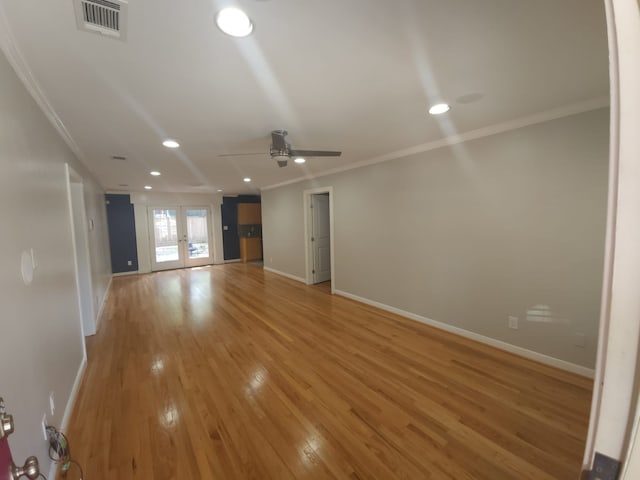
(356, 76)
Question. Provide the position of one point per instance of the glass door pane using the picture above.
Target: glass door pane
(166, 243)
(197, 235)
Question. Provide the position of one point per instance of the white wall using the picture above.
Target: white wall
(141, 202)
(41, 347)
(470, 234)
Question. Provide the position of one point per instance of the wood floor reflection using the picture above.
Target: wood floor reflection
(229, 372)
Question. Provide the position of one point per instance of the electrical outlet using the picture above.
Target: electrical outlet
(579, 340)
(513, 322)
(129, 262)
(44, 426)
(52, 403)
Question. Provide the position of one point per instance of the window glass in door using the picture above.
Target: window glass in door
(165, 234)
(197, 232)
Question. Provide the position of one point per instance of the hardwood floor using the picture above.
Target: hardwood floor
(229, 372)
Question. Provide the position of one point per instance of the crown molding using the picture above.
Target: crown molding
(10, 48)
(541, 117)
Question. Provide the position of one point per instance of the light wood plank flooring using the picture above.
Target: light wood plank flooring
(229, 372)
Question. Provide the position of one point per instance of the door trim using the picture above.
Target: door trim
(308, 251)
(80, 249)
(615, 405)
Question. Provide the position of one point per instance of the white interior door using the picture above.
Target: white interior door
(180, 236)
(320, 237)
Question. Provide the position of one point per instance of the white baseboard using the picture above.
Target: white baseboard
(233, 260)
(73, 395)
(68, 410)
(124, 274)
(523, 352)
(105, 297)
(288, 275)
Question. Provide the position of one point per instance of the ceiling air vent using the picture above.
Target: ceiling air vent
(107, 17)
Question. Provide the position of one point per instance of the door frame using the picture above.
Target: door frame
(615, 409)
(308, 251)
(81, 256)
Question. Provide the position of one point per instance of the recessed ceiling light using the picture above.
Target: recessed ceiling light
(219, 190)
(246, 179)
(148, 187)
(299, 160)
(155, 173)
(439, 108)
(234, 22)
(170, 143)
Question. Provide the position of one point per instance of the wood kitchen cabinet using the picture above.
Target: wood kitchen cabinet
(250, 231)
(249, 214)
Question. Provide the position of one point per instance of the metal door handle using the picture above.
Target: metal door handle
(31, 469)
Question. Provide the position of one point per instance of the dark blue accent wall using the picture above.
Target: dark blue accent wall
(122, 233)
(230, 239)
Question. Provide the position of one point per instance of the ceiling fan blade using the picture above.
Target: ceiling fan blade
(278, 142)
(239, 154)
(314, 153)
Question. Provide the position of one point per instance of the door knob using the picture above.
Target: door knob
(30, 469)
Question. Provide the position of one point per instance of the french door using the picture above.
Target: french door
(180, 237)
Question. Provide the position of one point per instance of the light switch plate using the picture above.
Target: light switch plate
(52, 403)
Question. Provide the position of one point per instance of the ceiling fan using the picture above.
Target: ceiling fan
(281, 151)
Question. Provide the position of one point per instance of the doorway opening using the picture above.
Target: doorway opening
(318, 220)
(80, 243)
(180, 237)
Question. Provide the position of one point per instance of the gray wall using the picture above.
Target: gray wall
(40, 336)
(471, 234)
